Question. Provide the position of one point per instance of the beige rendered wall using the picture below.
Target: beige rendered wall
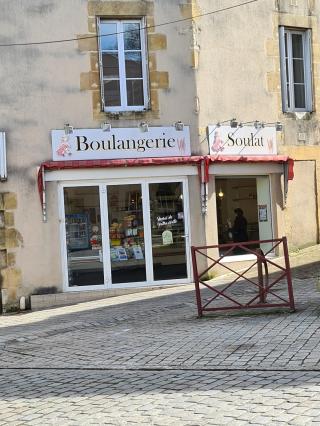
(52, 84)
(239, 67)
(204, 70)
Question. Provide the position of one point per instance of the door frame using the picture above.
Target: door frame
(103, 190)
(244, 257)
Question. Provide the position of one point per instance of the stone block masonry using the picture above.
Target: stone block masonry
(10, 239)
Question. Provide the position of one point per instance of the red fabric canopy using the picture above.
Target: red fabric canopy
(282, 159)
(202, 163)
(94, 164)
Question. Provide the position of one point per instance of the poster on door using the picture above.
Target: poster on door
(263, 213)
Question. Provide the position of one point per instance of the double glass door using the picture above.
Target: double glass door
(125, 234)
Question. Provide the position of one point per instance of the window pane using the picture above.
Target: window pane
(83, 232)
(298, 71)
(133, 65)
(108, 41)
(299, 96)
(168, 230)
(132, 36)
(126, 233)
(110, 65)
(112, 93)
(135, 92)
(297, 47)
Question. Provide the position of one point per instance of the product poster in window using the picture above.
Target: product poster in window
(240, 141)
(263, 213)
(120, 143)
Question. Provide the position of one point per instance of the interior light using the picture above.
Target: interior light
(220, 193)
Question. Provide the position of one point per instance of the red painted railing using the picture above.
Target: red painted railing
(263, 290)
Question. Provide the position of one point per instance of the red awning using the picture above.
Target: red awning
(93, 164)
(280, 159)
(202, 162)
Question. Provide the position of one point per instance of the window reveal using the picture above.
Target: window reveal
(123, 65)
(295, 58)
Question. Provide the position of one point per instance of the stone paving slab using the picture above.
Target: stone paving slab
(72, 397)
(147, 359)
(165, 332)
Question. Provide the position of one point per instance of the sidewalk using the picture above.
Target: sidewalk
(146, 359)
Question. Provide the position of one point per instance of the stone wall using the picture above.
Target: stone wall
(10, 239)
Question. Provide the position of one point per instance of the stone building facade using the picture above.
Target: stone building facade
(205, 63)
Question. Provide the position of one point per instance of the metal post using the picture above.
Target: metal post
(288, 272)
(260, 278)
(196, 281)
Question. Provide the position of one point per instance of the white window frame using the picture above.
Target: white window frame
(122, 77)
(103, 188)
(306, 40)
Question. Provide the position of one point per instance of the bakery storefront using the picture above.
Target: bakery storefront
(249, 179)
(124, 205)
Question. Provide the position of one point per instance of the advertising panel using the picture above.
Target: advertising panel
(120, 143)
(246, 140)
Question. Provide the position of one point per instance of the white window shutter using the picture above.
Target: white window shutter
(283, 69)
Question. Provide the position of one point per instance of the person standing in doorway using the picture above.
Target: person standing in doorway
(239, 229)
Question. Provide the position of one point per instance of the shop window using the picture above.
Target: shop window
(83, 236)
(296, 76)
(123, 65)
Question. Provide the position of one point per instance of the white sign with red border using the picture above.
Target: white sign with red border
(247, 140)
(120, 143)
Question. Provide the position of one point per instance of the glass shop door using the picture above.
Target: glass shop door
(126, 233)
(169, 237)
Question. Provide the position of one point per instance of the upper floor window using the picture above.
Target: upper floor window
(123, 65)
(296, 76)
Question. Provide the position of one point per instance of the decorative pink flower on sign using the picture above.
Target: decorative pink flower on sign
(217, 142)
(182, 145)
(64, 147)
(270, 144)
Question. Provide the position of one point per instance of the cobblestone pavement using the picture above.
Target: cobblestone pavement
(146, 359)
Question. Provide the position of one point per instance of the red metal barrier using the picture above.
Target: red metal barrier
(262, 287)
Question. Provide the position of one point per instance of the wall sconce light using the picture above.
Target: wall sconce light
(220, 193)
(143, 126)
(68, 130)
(179, 126)
(233, 123)
(278, 125)
(106, 127)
